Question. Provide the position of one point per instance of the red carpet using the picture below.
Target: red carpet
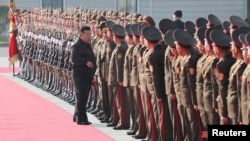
(8, 70)
(24, 116)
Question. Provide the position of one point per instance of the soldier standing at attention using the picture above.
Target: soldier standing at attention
(235, 76)
(245, 85)
(221, 45)
(173, 88)
(109, 49)
(84, 67)
(210, 87)
(127, 73)
(139, 130)
(115, 79)
(155, 86)
(200, 35)
(189, 56)
(237, 26)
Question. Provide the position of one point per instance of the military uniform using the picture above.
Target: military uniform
(245, 85)
(155, 84)
(244, 106)
(235, 75)
(170, 76)
(116, 78)
(199, 77)
(223, 67)
(127, 73)
(187, 86)
(138, 130)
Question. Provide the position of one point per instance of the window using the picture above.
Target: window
(52, 4)
(130, 6)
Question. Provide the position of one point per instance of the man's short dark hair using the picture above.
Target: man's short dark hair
(84, 28)
(178, 13)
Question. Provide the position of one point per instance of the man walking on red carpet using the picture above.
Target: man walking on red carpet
(84, 67)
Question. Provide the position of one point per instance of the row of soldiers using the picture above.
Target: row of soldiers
(172, 81)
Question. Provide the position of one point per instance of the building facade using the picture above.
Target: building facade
(158, 9)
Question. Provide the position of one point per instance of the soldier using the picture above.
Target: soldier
(245, 85)
(165, 25)
(96, 49)
(102, 71)
(139, 129)
(127, 74)
(235, 76)
(210, 87)
(92, 101)
(116, 77)
(221, 43)
(173, 87)
(188, 61)
(199, 22)
(109, 49)
(200, 36)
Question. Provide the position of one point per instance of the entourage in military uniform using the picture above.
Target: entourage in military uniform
(161, 82)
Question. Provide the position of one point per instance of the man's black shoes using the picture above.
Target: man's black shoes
(84, 123)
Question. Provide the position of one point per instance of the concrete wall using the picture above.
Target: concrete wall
(91, 4)
(192, 9)
(158, 9)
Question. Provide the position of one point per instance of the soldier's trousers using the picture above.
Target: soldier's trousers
(140, 125)
(122, 107)
(175, 118)
(191, 124)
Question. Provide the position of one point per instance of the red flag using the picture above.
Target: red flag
(13, 52)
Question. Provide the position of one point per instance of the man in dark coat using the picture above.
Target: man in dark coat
(177, 15)
(84, 67)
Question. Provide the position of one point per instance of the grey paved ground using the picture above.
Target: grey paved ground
(118, 135)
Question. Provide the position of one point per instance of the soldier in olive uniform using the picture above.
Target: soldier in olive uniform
(115, 79)
(245, 85)
(221, 45)
(104, 99)
(235, 76)
(139, 130)
(127, 73)
(155, 87)
(166, 27)
(189, 57)
(200, 35)
(174, 107)
(109, 49)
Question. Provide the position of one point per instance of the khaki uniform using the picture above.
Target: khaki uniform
(116, 76)
(188, 95)
(234, 92)
(245, 85)
(223, 68)
(199, 90)
(210, 90)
